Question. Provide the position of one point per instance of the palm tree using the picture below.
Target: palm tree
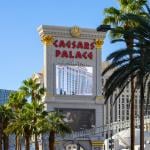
(114, 18)
(23, 124)
(16, 102)
(139, 66)
(33, 89)
(5, 115)
(55, 124)
(34, 92)
(142, 36)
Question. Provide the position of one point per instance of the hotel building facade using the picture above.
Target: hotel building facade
(120, 111)
(4, 95)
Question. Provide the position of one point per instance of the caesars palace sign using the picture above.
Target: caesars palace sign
(73, 48)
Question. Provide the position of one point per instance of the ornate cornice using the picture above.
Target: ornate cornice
(58, 31)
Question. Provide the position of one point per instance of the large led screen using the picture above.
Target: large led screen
(74, 80)
(79, 119)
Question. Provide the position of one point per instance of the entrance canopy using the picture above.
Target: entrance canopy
(123, 137)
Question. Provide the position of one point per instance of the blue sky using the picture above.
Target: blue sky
(20, 45)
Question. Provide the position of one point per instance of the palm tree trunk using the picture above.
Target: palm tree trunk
(42, 142)
(132, 130)
(129, 44)
(36, 142)
(6, 142)
(17, 142)
(16, 138)
(51, 140)
(16, 148)
(27, 142)
(141, 114)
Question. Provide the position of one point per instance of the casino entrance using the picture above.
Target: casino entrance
(74, 147)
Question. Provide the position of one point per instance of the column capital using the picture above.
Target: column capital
(49, 95)
(98, 43)
(47, 39)
(97, 143)
(101, 97)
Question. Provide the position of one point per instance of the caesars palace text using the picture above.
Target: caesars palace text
(74, 45)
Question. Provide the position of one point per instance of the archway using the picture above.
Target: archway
(74, 147)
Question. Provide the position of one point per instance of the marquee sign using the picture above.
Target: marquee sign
(73, 54)
(74, 48)
(71, 47)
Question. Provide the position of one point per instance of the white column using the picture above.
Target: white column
(48, 70)
(98, 73)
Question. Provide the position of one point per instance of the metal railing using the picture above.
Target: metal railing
(104, 131)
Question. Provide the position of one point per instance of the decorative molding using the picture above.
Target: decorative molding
(59, 31)
(57, 142)
(100, 97)
(75, 31)
(99, 43)
(49, 95)
(47, 39)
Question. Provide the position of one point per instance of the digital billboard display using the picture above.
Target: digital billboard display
(79, 119)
